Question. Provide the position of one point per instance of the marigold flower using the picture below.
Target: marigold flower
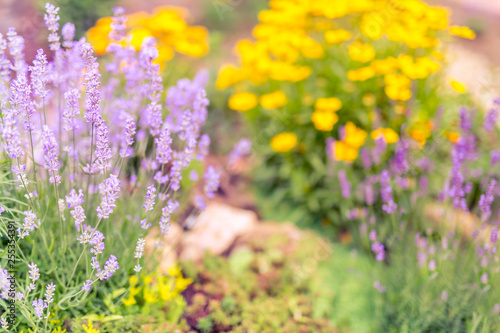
(284, 142)
(324, 120)
(243, 101)
(273, 100)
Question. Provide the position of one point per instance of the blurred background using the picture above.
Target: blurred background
(474, 62)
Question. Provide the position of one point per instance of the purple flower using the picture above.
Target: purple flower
(92, 91)
(379, 251)
(345, 185)
(68, 33)
(96, 239)
(72, 110)
(51, 21)
(86, 285)
(11, 136)
(118, 25)
(465, 120)
(203, 147)
(103, 152)
(490, 119)
(110, 267)
(164, 147)
(127, 137)
(486, 200)
(386, 193)
(241, 149)
(21, 100)
(139, 248)
(199, 202)
(39, 305)
(166, 213)
(212, 179)
(365, 158)
(150, 198)
(494, 236)
(39, 75)
(176, 175)
(51, 151)
(109, 189)
(484, 278)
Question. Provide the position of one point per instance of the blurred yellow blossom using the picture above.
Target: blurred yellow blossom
(284, 142)
(168, 25)
(328, 104)
(273, 100)
(324, 120)
(354, 136)
(388, 134)
(90, 328)
(458, 86)
(243, 101)
(344, 152)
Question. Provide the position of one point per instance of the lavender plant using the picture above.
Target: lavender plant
(92, 160)
(433, 227)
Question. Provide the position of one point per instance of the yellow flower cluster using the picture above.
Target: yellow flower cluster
(286, 36)
(324, 116)
(90, 328)
(166, 24)
(156, 287)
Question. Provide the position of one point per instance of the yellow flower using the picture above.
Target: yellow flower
(243, 101)
(228, 75)
(354, 137)
(398, 93)
(328, 104)
(388, 134)
(344, 152)
(453, 137)
(90, 328)
(283, 142)
(419, 135)
(324, 120)
(384, 66)
(337, 36)
(459, 87)
(361, 74)
(463, 32)
(130, 300)
(273, 100)
(361, 52)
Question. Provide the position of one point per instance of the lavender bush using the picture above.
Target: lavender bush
(90, 163)
(430, 217)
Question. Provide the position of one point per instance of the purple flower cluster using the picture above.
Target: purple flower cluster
(389, 205)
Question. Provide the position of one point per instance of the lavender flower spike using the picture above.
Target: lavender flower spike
(109, 189)
(51, 155)
(51, 21)
(241, 149)
(212, 179)
(386, 193)
(486, 200)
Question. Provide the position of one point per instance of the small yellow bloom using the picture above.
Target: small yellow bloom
(361, 52)
(361, 74)
(453, 137)
(344, 152)
(228, 75)
(90, 328)
(384, 66)
(283, 142)
(273, 100)
(463, 32)
(397, 93)
(459, 87)
(354, 136)
(419, 135)
(324, 120)
(388, 134)
(337, 36)
(328, 104)
(243, 101)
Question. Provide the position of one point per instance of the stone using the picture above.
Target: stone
(215, 230)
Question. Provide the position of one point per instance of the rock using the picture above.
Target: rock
(215, 230)
(166, 255)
